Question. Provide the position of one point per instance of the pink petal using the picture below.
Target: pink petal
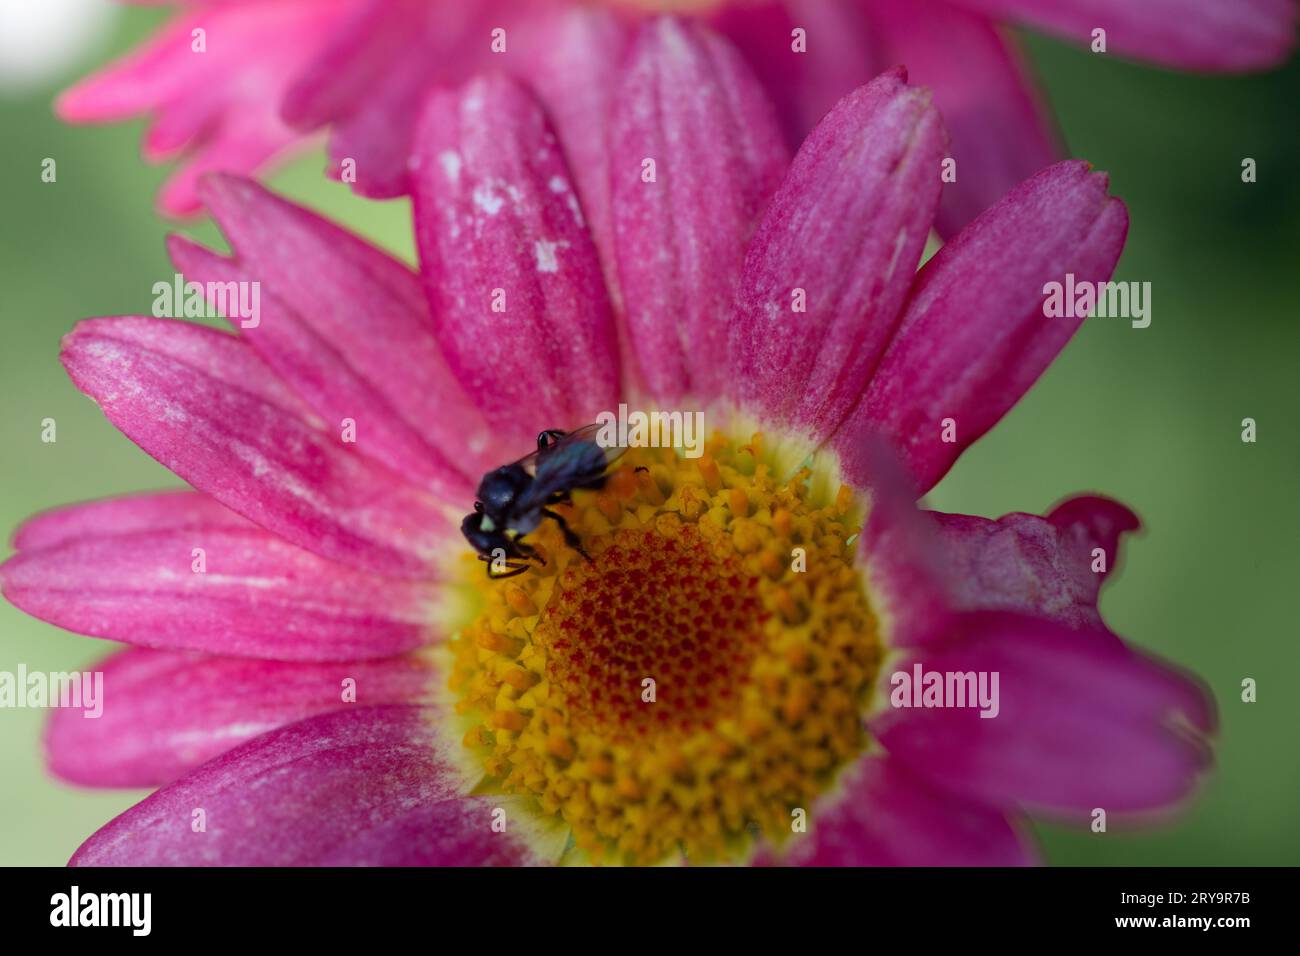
(904, 569)
(373, 79)
(571, 58)
(323, 372)
(495, 210)
(922, 567)
(1093, 521)
(201, 417)
(1083, 720)
(687, 101)
(258, 595)
(1001, 132)
(221, 105)
(167, 67)
(347, 327)
(355, 57)
(451, 832)
(847, 228)
(974, 336)
(165, 713)
(158, 511)
(1184, 34)
(353, 293)
(210, 353)
(1036, 565)
(882, 815)
(243, 143)
(368, 786)
(840, 54)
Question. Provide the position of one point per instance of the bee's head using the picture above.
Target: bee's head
(499, 488)
(481, 539)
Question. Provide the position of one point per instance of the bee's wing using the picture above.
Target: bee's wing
(586, 434)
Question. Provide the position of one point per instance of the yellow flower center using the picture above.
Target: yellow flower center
(697, 682)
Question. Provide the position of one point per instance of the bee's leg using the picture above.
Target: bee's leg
(517, 568)
(526, 551)
(570, 537)
(560, 498)
(522, 549)
(549, 437)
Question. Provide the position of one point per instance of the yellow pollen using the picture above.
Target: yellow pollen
(698, 680)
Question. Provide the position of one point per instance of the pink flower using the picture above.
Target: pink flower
(274, 70)
(490, 721)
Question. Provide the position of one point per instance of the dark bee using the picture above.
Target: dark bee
(514, 499)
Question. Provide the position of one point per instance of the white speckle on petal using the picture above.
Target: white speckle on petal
(546, 259)
(486, 200)
(559, 185)
(450, 160)
(576, 210)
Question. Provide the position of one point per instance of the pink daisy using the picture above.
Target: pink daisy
(274, 70)
(340, 682)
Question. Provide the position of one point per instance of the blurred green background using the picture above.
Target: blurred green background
(1149, 416)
